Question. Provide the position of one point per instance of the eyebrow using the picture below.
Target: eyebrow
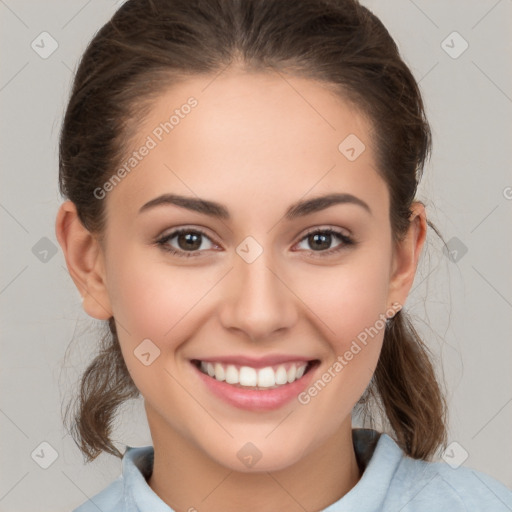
(217, 210)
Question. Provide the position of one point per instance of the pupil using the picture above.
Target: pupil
(324, 237)
(192, 241)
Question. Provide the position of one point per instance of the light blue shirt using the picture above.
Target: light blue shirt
(391, 482)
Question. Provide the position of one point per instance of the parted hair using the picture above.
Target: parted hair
(150, 44)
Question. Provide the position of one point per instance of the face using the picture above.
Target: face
(258, 287)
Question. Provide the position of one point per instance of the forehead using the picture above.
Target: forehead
(270, 137)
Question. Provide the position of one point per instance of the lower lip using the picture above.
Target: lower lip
(253, 399)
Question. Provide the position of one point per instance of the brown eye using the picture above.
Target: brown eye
(189, 242)
(320, 241)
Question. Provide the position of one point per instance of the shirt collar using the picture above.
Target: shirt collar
(377, 455)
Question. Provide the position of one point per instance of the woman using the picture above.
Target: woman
(240, 180)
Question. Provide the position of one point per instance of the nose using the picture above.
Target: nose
(258, 300)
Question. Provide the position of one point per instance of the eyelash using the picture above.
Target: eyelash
(345, 239)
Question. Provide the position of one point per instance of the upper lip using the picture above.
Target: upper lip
(256, 362)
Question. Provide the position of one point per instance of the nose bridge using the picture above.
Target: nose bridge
(260, 303)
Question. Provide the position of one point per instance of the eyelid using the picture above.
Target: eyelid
(326, 227)
(172, 232)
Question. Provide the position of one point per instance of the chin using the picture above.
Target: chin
(258, 457)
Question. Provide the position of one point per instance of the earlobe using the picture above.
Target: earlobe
(407, 254)
(84, 259)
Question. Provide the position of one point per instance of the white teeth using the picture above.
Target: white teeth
(231, 375)
(281, 375)
(247, 376)
(300, 372)
(292, 373)
(220, 374)
(267, 377)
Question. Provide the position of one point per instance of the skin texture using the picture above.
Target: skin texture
(255, 144)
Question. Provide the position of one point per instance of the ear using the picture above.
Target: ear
(406, 255)
(84, 259)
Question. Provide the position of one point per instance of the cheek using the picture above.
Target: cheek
(348, 298)
(154, 307)
(146, 293)
(351, 303)
(156, 301)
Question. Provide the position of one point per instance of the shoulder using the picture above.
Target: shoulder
(391, 482)
(109, 499)
(130, 490)
(418, 485)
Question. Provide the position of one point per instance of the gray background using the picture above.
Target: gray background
(462, 301)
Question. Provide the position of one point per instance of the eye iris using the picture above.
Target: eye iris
(193, 241)
(320, 237)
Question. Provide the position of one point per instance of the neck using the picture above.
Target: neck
(186, 479)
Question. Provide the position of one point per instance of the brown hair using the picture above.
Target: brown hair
(150, 44)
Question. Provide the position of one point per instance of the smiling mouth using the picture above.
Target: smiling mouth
(247, 377)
